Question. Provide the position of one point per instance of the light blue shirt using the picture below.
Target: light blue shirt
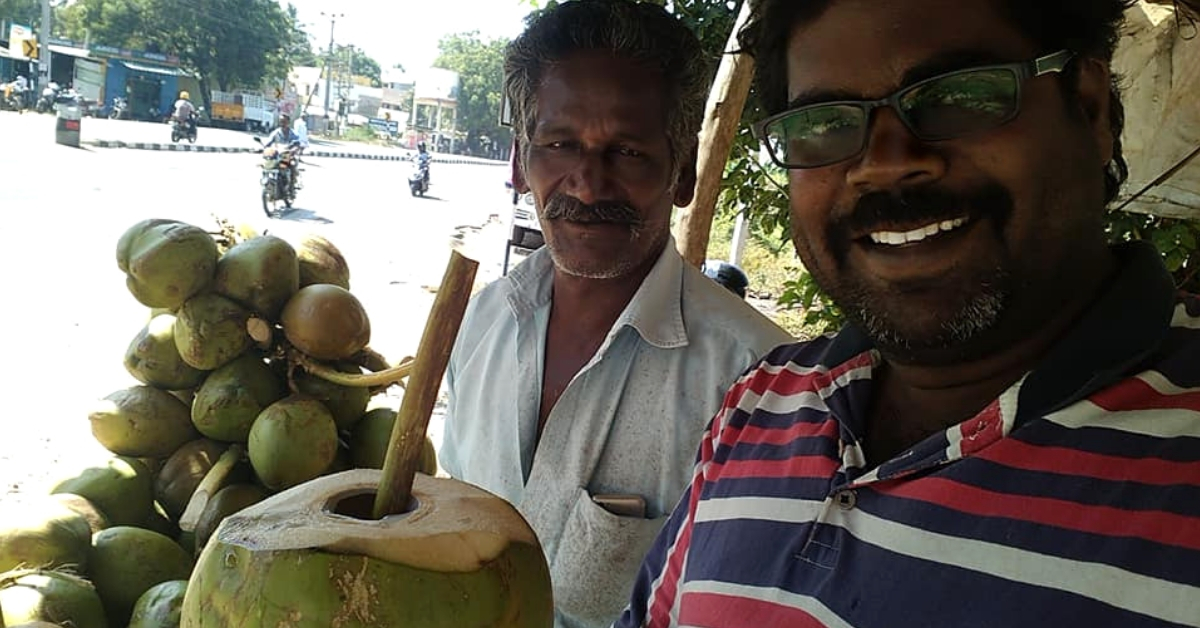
(628, 423)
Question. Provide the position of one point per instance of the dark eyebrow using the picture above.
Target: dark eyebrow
(941, 63)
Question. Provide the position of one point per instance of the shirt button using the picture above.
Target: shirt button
(846, 500)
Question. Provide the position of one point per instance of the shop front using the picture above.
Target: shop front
(151, 89)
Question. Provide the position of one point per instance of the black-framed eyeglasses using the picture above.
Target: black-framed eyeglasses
(947, 106)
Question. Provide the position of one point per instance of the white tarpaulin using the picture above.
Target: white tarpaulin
(89, 79)
(1159, 61)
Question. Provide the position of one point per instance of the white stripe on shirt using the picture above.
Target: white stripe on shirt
(1169, 601)
(1164, 423)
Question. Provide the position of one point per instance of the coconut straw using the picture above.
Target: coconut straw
(433, 354)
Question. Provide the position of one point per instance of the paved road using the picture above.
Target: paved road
(130, 132)
(67, 316)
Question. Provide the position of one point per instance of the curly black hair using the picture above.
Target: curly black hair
(1090, 28)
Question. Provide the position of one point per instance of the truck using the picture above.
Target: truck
(243, 110)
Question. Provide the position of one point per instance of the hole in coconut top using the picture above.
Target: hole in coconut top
(361, 505)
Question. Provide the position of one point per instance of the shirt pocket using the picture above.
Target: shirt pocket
(597, 560)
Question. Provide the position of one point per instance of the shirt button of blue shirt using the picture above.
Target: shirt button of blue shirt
(846, 500)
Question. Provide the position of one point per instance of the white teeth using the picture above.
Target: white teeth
(896, 238)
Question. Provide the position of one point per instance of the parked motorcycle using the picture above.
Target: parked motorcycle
(280, 176)
(11, 101)
(45, 103)
(181, 129)
(120, 109)
(418, 179)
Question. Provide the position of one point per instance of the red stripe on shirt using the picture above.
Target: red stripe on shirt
(755, 435)
(786, 382)
(1157, 526)
(1135, 394)
(1017, 454)
(984, 429)
(795, 467)
(713, 610)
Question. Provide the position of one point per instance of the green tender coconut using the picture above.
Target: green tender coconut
(462, 557)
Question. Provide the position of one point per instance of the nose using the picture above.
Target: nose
(894, 157)
(589, 180)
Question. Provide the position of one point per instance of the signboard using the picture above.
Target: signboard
(20, 41)
(113, 51)
(89, 79)
(391, 127)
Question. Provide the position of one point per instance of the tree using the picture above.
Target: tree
(480, 67)
(24, 12)
(227, 43)
(360, 63)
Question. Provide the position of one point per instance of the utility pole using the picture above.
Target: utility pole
(44, 47)
(328, 58)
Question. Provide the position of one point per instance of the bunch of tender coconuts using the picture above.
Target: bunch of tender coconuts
(255, 379)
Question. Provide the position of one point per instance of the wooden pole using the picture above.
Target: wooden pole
(721, 118)
(433, 355)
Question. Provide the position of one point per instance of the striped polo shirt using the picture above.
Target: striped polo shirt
(1071, 500)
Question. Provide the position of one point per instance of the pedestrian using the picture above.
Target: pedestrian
(581, 382)
(300, 128)
(1008, 431)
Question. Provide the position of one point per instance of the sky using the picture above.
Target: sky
(407, 31)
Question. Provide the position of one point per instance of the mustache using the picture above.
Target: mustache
(561, 206)
(920, 205)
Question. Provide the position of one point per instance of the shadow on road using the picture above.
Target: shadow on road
(430, 197)
(297, 214)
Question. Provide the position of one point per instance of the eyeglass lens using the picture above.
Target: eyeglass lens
(950, 106)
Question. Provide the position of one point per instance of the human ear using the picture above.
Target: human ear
(685, 185)
(518, 171)
(1093, 84)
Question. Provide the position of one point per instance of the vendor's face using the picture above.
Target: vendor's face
(1028, 194)
(600, 166)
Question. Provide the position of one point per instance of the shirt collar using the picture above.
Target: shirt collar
(1125, 324)
(655, 311)
(1122, 328)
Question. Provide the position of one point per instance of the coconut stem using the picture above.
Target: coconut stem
(213, 481)
(433, 354)
(368, 380)
(373, 361)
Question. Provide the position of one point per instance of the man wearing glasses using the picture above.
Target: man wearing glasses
(1008, 432)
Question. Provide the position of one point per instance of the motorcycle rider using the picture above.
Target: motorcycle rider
(287, 139)
(185, 112)
(22, 89)
(424, 159)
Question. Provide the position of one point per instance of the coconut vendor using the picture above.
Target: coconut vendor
(582, 381)
(1008, 432)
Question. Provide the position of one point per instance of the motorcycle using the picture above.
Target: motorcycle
(120, 109)
(45, 103)
(184, 129)
(418, 179)
(11, 101)
(280, 176)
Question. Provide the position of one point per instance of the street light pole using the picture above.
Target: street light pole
(44, 47)
(328, 58)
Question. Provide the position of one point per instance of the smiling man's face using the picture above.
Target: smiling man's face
(947, 250)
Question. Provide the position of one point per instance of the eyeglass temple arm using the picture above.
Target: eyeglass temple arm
(1052, 62)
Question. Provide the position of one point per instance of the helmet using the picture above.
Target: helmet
(421, 146)
(727, 275)
(184, 95)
